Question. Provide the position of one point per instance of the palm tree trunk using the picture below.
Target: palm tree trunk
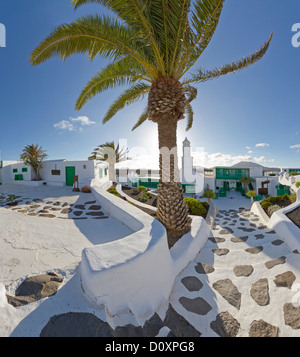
(36, 173)
(166, 106)
(172, 210)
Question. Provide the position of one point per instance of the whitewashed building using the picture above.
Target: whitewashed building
(54, 172)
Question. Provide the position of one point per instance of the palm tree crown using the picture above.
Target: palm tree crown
(112, 154)
(153, 47)
(102, 153)
(33, 155)
(150, 40)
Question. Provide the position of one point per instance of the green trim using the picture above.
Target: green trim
(24, 169)
(231, 174)
(19, 177)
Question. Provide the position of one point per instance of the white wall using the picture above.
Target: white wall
(136, 273)
(7, 174)
(256, 172)
(86, 170)
(271, 186)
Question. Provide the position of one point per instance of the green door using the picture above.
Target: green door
(70, 173)
(226, 185)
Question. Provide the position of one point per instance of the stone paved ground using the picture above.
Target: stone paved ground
(243, 282)
(53, 208)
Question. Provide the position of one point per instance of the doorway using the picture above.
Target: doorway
(70, 173)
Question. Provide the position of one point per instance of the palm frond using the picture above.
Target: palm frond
(201, 75)
(77, 3)
(192, 94)
(94, 35)
(204, 21)
(122, 72)
(130, 96)
(101, 152)
(190, 116)
(142, 119)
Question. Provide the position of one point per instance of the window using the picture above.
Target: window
(55, 172)
(100, 173)
(15, 170)
(84, 166)
(24, 169)
(105, 171)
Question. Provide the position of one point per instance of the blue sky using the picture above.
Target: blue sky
(250, 115)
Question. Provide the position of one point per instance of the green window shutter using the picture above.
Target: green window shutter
(100, 173)
(24, 169)
(15, 170)
(105, 172)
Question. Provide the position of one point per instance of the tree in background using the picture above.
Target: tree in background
(112, 154)
(208, 194)
(251, 194)
(152, 47)
(246, 181)
(34, 156)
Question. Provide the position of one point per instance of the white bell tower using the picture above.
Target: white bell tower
(187, 162)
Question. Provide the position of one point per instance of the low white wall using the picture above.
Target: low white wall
(284, 227)
(257, 209)
(138, 271)
(188, 247)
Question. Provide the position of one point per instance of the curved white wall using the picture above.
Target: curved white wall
(138, 271)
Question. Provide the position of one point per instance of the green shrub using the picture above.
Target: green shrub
(208, 194)
(273, 209)
(205, 205)
(265, 204)
(195, 206)
(294, 173)
(144, 197)
(141, 188)
(298, 184)
(274, 199)
(113, 191)
(293, 197)
(251, 193)
(11, 198)
(285, 197)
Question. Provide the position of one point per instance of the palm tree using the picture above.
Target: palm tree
(209, 194)
(251, 194)
(112, 154)
(246, 180)
(153, 46)
(34, 156)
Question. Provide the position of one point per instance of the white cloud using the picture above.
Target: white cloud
(218, 159)
(295, 146)
(248, 147)
(74, 124)
(64, 125)
(263, 159)
(262, 145)
(83, 120)
(250, 152)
